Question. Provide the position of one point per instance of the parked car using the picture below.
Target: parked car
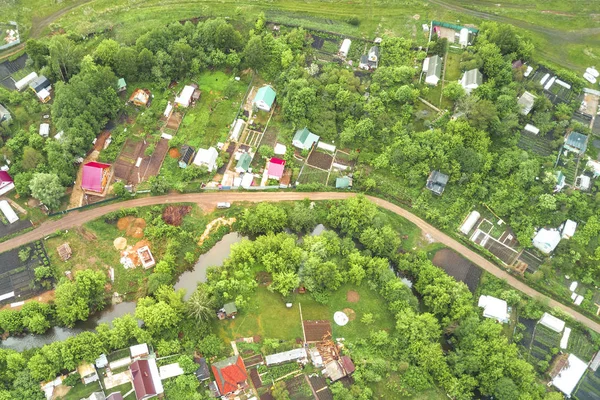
(223, 205)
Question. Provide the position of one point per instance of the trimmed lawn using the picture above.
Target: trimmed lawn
(81, 391)
(453, 72)
(268, 317)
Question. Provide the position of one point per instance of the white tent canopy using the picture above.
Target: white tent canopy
(470, 222)
(564, 341)
(286, 356)
(551, 322)
(170, 371)
(8, 212)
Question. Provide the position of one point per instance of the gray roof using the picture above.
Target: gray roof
(577, 142)
(39, 83)
(4, 114)
(437, 182)
(471, 77)
(435, 66)
(526, 102)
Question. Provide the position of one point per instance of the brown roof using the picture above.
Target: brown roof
(64, 251)
(142, 379)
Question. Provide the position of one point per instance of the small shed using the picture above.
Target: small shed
(185, 97)
(102, 361)
(64, 252)
(40, 83)
(4, 114)
(305, 139)
(6, 183)
(121, 85)
(568, 229)
(280, 149)
(471, 80)
(264, 98)
(229, 310)
(434, 70)
(494, 308)
(8, 212)
(140, 97)
(139, 350)
(470, 222)
(87, 372)
(343, 182)
(526, 102)
(187, 155)
(202, 373)
(145, 256)
(437, 182)
(576, 142)
(44, 130)
(243, 163)
(276, 168)
(207, 157)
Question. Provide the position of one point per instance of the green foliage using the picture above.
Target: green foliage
(76, 299)
(262, 219)
(47, 189)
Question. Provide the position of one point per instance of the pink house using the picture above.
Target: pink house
(95, 177)
(276, 167)
(6, 183)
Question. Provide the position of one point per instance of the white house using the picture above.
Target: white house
(344, 48)
(569, 376)
(471, 80)
(23, 83)
(44, 130)
(264, 98)
(531, 129)
(433, 69)
(546, 240)
(526, 102)
(463, 38)
(494, 308)
(185, 97)
(568, 229)
(207, 157)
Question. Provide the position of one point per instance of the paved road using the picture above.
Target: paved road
(207, 201)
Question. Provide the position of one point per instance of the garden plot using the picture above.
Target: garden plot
(310, 174)
(299, 388)
(320, 159)
(581, 345)
(125, 164)
(458, 267)
(498, 240)
(541, 145)
(151, 164)
(17, 277)
(543, 341)
(589, 387)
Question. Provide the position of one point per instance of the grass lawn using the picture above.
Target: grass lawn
(121, 389)
(453, 72)
(312, 175)
(208, 121)
(81, 391)
(268, 317)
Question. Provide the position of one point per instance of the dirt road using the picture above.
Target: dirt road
(207, 201)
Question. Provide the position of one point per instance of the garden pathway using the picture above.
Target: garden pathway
(208, 201)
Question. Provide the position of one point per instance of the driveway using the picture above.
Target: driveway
(208, 201)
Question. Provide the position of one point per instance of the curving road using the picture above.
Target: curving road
(207, 201)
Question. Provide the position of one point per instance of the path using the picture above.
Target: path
(208, 201)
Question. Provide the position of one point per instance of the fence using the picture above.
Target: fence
(84, 207)
(453, 26)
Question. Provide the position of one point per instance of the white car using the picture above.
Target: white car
(223, 205)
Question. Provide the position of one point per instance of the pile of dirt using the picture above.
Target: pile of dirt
(132, 254)
(173, 215)
(120, 243)
(352, 296)
(350, 313)
(132, 226)
(174, 152)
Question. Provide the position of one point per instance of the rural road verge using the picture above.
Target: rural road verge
(207, 201)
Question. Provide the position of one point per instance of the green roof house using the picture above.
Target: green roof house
(122, 85)
(576, 142)
(304, 139)
(264, 98)
(230, 309)
(243, 163)
(343, 182)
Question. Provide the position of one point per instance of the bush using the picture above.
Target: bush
(354, 20)
(72, 379)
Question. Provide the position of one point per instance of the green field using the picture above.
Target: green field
(268, 317)
(565, 32)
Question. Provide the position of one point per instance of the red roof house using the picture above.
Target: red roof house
(95, 176)
(276, 167)
(6, 183)
(230, 374)
(146, 380)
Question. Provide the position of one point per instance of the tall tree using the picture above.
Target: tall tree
(47, 189)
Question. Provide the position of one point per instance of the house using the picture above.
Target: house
(304, 139)
(276, 167)
(531, 129)
(121, 85)
(229, 310)
(139, 350)
(202, 373)
(526, 102)
(553, 323)
(95, 177)
(6, 183)
(344, 48)
(187, 155)
(286, 356)
(8, 212)
(494, 308)
(146, 380)
(24, 82)
(64, 252)
(567, 229)
(264, 98)
(4, 114)
(102, 360)
(230, 374)
(343, 182)
(87, 372)
(41, 86)
(115, 396)
(185, 97)
(145, 256)
(280, 149)
(576, 142)
(583, 182)
(243, 163)
(374, 55)
(247, 180)
(546, 240)
(437, 182)
(44, 130)
(140, 97)
(471, 80)
(338, 369)
(364, 62)
(432, 66)
(569, 376)
(207, 157)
